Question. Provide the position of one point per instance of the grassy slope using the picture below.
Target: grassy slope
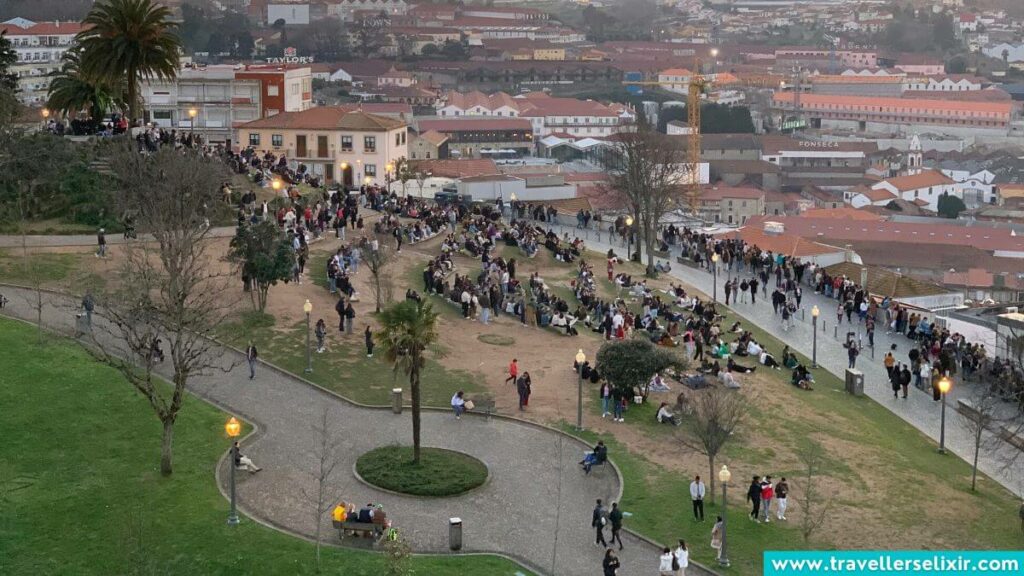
(80, 490)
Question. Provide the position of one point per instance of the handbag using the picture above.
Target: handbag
(675, 562)
(469, 405)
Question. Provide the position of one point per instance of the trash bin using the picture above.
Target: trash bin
(396, 400)
(854, 382)
(455, 533)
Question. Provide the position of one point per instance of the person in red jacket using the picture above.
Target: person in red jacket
(513, 372)
(767, 493)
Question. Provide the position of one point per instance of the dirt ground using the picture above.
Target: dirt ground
(548, 357)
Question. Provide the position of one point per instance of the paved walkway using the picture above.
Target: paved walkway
(58, 240)
(919, 409)
(535, 507)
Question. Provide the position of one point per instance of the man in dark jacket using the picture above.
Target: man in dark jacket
(597, 521)
(754, 497)
(615, 518)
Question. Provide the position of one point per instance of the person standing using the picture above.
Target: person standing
(606, 398)
(716, 538)
(667, 563)
(88, 305)
(852, 353)
(513, 371)
(754, 497)
(781, 493)
(368, 335)
(610, 565)
(101, 244)
(682, 555)
(251, 354)
(697, 492)
(905, 380)
(339, 307)
(523, 385)
(321, 335)
(597, 521)
(615, 518)
(350, 317)
(767, 493)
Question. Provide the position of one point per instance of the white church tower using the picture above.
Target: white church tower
(915, 157)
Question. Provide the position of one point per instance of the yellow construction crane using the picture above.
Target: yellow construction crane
(697, 86)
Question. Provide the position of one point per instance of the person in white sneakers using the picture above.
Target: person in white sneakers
(781, 491)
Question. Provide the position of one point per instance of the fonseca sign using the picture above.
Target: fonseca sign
(810, 144)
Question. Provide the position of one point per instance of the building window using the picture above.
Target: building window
(272, 90)
(254, 139)
(370, 170)
(369, 143)
(403, 137)
(277, 140)
(398, 139)
(346, 143)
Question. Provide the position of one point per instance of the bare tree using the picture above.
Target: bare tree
(167, 288)
(324, 451)
(397, 558)
(647, 170)
(379, 263)
(421, 179)
(814, 506)
(977, 419)
(716, 415)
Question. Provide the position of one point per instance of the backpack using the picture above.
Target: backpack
(675, 562)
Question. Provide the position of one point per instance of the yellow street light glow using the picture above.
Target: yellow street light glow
(944, 384)
(629, 220)
(581, 357)
(724, 475)
(233, 428)
(815, 311)
(307, 307)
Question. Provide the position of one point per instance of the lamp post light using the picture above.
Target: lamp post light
(944, 385)
(714, 276)
(46, 113)
(814, 345)
(388, 169)
(275, 184)
(580, 359)
(233, 429)
(192, 114)
(724, 476)
(308, 308)
(714, 60)
(629, 238)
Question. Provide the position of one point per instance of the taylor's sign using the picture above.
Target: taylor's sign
(291, 60)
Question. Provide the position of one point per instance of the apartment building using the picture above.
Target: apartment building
(342, 144)
(208, 100)
(483, 137)
(39, 47)
(284, 88)
(729, 205)
(547, 115)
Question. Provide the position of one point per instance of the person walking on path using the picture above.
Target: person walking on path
(513, 371)
(716, 537)
(597, 521)
(321, 335)
(523, 388)
(350, 317)
(101, 244)
(697, 492)
(682, 558)
(459, 404)
(905, 380)
(615, 518)
(88, 305)
(610, 565)
(894, 381)
(781, 493)
(767, 493)
(368, 335)
(852, 353)
(754, 497)
(251, 354)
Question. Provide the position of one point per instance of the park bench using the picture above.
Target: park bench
(484, 405)
(1011, 437)
(362, 529)
(659, 254)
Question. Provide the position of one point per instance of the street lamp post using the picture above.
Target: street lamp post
(714, 60)
(580, 359)
(814, 346)
(629, 238)
(275, 184)
(724, 476)
(192, 113)
(714, 275)
(308, 308)
(944, 385)
(233, 429)
(388, 169)
(344, 167)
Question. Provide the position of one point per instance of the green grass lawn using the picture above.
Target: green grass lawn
(44, 268)
(439, 472)
(81, 493)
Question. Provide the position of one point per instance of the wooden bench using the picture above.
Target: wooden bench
(484, 405)
(375, 531)
(966, 408)
(1011, 437)
(660, 254)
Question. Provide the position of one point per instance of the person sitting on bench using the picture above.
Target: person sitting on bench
(244, 462)
(665, 416)
(598, 456)
(739, 368)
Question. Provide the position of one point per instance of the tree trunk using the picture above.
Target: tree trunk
(414, 382)
(376, 289)
(974, 465)
(133, 97)
(264, 289)
(167, 447)
(649, 246)
(711, 477)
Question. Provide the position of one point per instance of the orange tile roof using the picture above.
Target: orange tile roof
(327, 118)
(44, 29)
(675, 72)
(844, 213)
(721, 192)
(820, 100)
(850, 79)
(786, 244)
(878, 195)
(923, 179)
(456, 168)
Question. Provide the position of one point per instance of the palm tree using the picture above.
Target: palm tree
(409, 329)
(126, 41)
(71, 91)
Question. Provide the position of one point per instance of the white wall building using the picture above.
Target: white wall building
(346, 9)
(547, 115)
(39, 47)
(1014, 52)
(292, 14)
(208, 100)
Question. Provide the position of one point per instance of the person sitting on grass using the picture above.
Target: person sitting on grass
(728, 380)
(789, 359)
(598, 456)
(665, 415)
(768, 360)
(733, 366)
(802, 378)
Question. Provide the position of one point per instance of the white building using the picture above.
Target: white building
(208, 100)
(924, 189)
(547, 115)
(346, 9)
(675, 80)
(1013, 52)
(39, 47)
(292, 13)
(943, 83)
